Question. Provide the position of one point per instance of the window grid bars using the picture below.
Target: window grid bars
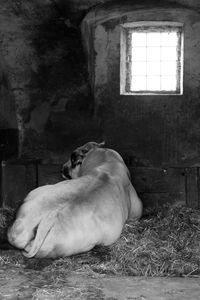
(178, 60)
(146, 46)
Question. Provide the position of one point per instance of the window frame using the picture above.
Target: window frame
(125, 55)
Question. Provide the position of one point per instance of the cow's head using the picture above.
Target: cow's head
(71, 168)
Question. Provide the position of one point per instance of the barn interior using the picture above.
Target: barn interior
(60, 87)
(64, 81)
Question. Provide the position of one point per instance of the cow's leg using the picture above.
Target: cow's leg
(19, 234)
(43, 230)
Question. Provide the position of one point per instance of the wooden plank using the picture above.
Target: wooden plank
(17, 181)
(156, 186)
(49, 174)
(192, 187)
(158, 180)
(31, 177)
(13, 184)
(157, 200)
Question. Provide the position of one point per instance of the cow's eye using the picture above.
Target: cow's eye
(84, 151)
(76, 159)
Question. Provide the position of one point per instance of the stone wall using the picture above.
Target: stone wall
(44, 87)
(52, 104)
(157, 130)
(56, 94)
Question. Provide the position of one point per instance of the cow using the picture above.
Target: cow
(88, 208)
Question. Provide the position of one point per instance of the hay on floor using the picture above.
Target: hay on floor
(165, 243)
(6, 219)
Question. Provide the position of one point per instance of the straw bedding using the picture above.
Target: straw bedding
(163, 243)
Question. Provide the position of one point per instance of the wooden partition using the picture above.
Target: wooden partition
(156, 186)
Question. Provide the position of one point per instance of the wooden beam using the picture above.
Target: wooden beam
(17, 180)
(192, 187)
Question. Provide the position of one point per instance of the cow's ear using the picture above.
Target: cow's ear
(102, 144)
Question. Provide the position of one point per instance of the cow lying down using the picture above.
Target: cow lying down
(74, 215)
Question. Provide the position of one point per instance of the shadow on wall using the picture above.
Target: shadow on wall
(9, 136)
(60, 114)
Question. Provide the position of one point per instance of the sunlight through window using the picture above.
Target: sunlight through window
(153, 58)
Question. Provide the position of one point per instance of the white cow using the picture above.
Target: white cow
(74, 215)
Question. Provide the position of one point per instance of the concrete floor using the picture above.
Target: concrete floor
(16, 283)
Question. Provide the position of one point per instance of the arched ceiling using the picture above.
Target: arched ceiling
(75, 10)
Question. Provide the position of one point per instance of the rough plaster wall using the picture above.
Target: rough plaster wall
(18, 55)
(7, 105)
(87, 4)
(46, 79)
(154, 129)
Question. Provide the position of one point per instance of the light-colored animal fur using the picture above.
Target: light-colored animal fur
(74, 215)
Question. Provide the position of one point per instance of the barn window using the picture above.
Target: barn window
(151, 58)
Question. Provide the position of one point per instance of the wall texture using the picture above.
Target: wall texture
(45, 93)
(57, 93)
(153, 130)
(52, 104)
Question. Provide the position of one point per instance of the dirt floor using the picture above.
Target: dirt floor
(36, 279)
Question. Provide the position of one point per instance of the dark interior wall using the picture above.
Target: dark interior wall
(9, 144)
(46, 96)
(54, 96)
(153, 130)
(77, 5)
(45, 76)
